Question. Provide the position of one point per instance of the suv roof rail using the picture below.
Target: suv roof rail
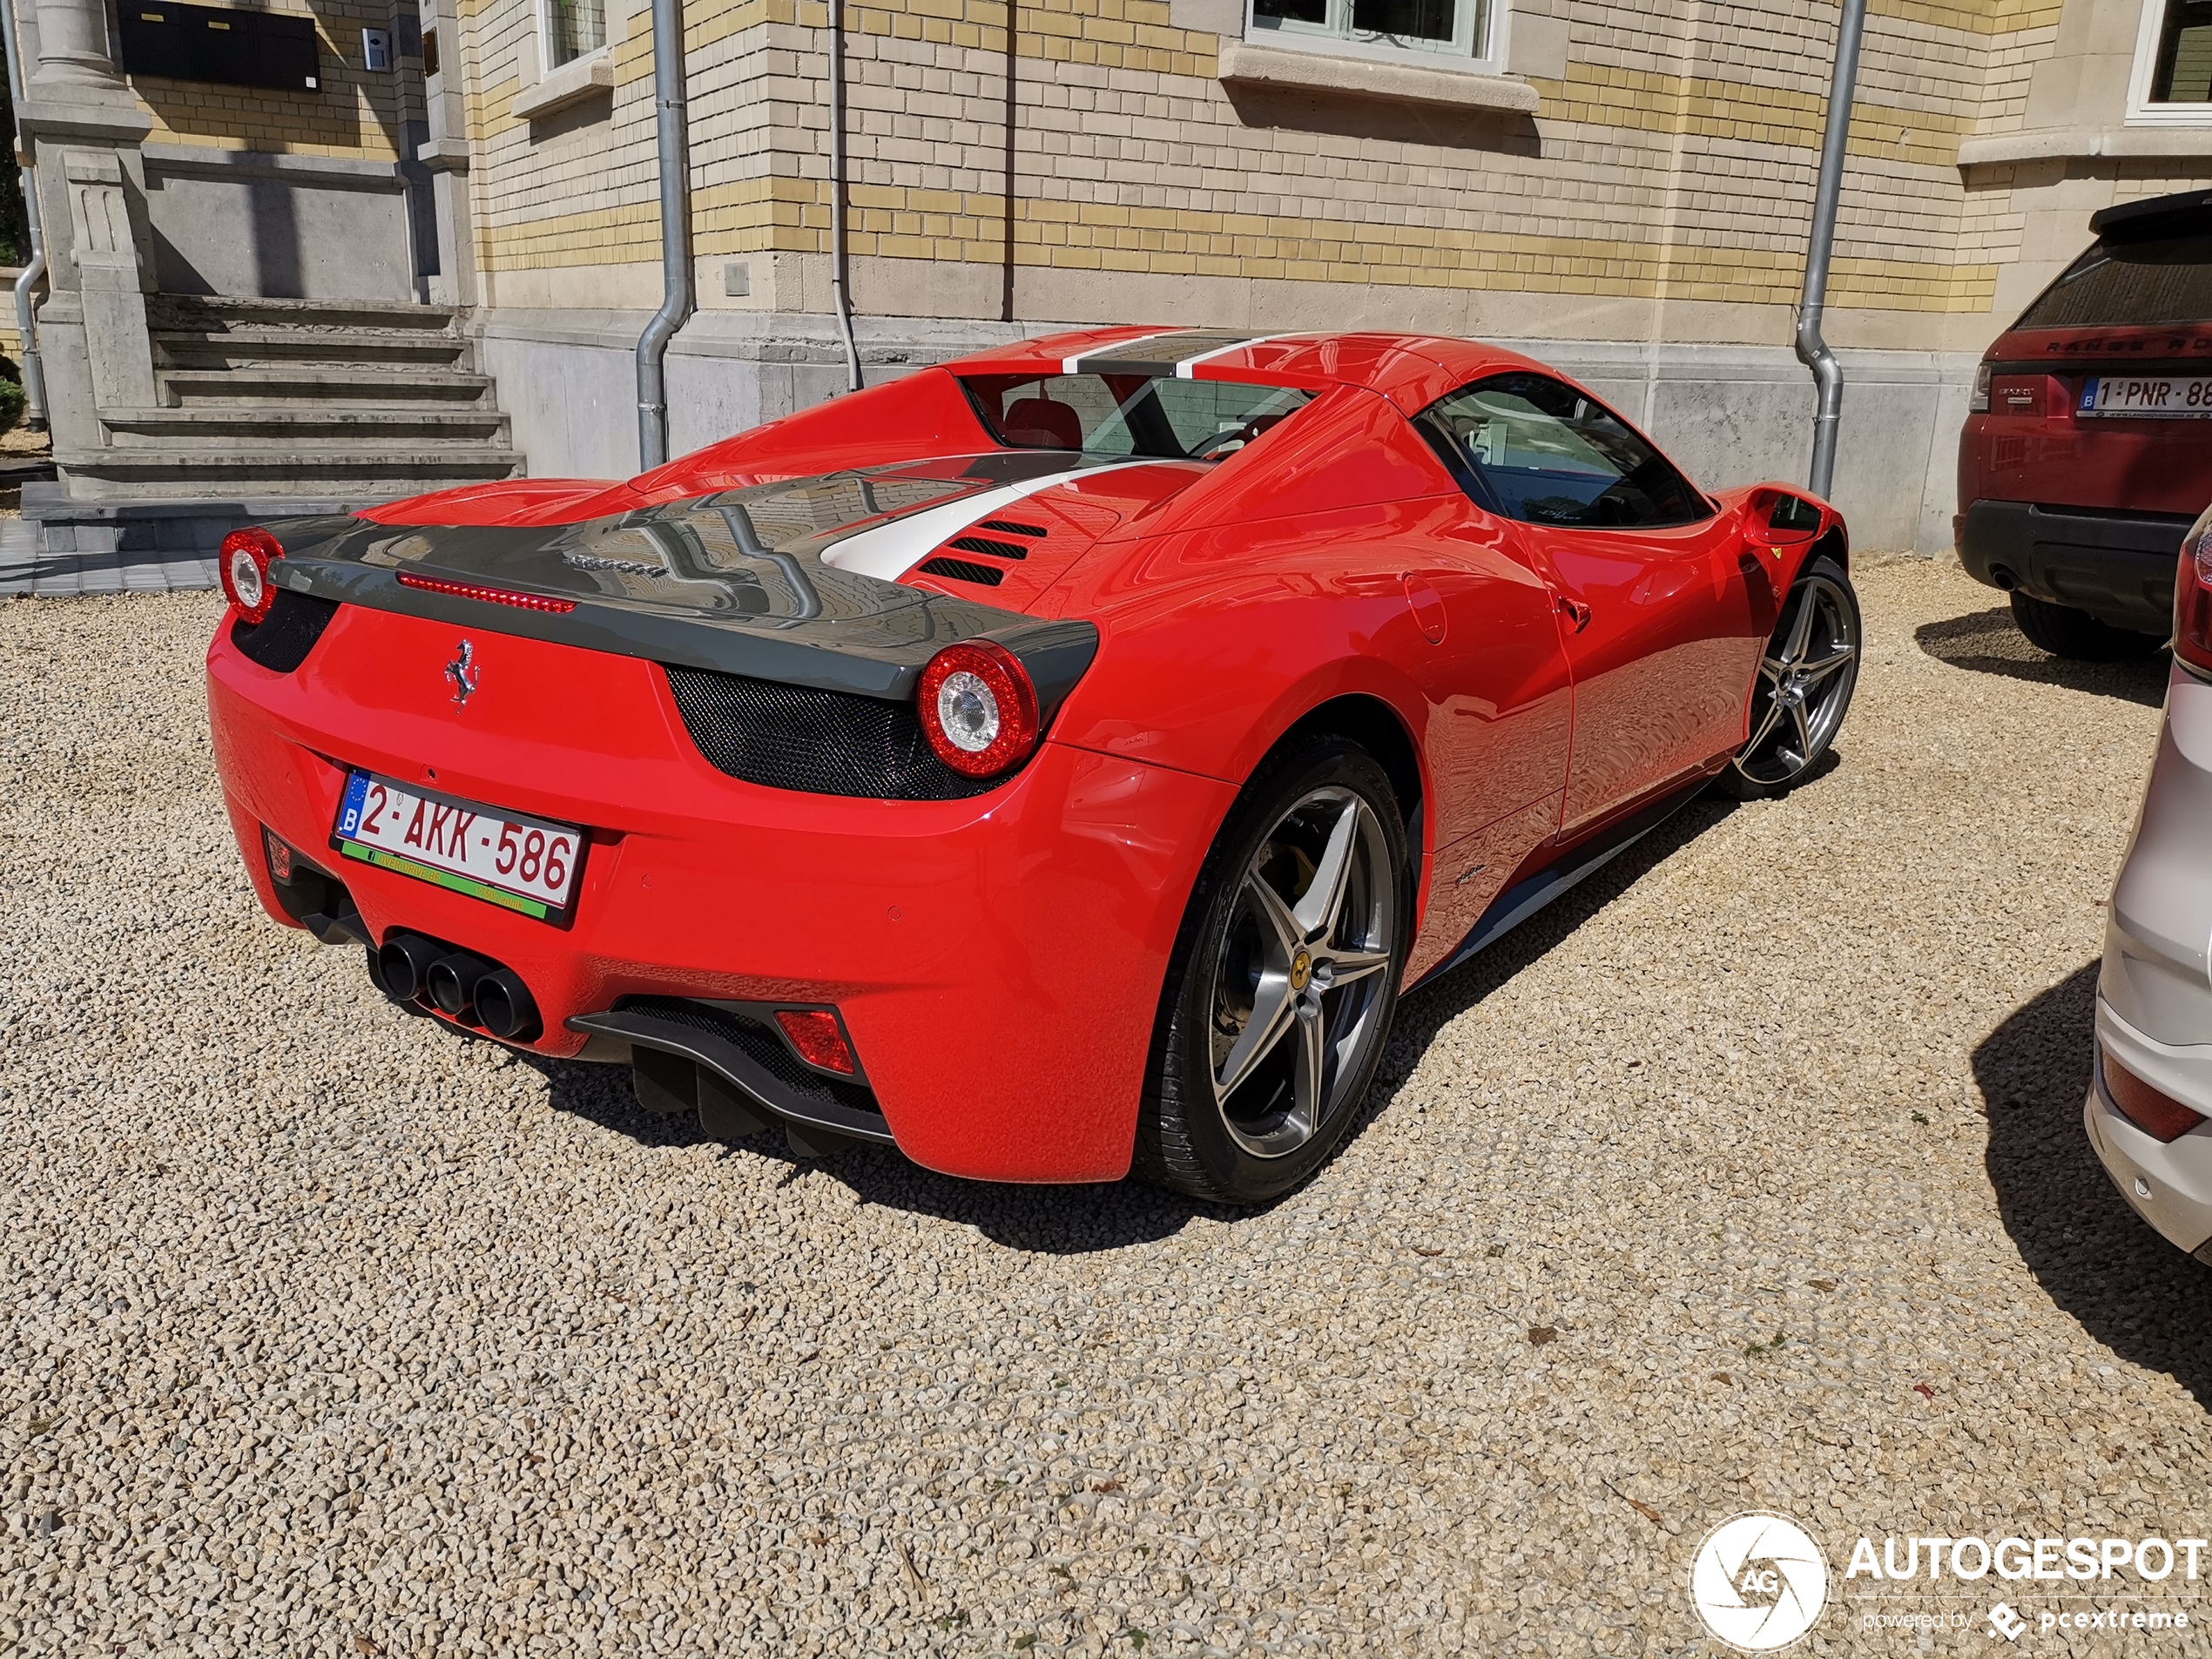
(2159, 214)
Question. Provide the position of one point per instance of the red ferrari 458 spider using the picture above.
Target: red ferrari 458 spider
(1055, 759)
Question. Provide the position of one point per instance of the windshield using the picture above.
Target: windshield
(1129, 415)
(2167, 279)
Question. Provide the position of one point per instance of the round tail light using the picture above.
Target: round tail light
(246, 559)
(978, 710)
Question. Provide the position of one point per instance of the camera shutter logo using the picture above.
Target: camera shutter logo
(1759, 1582)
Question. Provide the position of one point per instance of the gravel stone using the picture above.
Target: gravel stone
(1752, 1176)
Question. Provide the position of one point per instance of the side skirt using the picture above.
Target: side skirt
(1525, 898)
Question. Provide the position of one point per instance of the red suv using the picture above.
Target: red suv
(2087, 451)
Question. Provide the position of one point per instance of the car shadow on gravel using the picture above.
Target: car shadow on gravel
(1988, 643)
(1054, 1220)
(1072, 1220)
(2095, 1258)
(1425, 1012)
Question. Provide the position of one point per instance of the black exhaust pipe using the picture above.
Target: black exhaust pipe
(451, 982)
(505, 1007)
(403, 965)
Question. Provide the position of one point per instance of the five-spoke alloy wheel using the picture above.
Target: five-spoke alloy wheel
(1284, 979)
(1803, 687)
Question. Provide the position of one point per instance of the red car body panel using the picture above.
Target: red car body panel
(1016, 935)
(999, 960)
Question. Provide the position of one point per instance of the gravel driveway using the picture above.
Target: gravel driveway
(1752, 1177)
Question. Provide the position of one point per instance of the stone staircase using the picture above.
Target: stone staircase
(328, 402)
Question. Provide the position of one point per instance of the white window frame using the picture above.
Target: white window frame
(546, 66)
(2142, 112)
(1336, 36)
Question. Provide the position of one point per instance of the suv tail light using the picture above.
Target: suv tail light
(979, 709)
(1979, 403)
(2152, 1111)
(2193, 596)
(244, 569)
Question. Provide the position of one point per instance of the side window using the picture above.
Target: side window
(1541, 452)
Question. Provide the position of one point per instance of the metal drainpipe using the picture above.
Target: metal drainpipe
(840, 189)
(678, 303)
(1812, 350)
(34, 375)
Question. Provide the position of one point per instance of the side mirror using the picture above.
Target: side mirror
(1779, 518)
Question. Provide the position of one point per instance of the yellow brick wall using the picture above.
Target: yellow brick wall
(1675, 159)
(354, 113)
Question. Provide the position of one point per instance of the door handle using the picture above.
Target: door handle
(1575, 611)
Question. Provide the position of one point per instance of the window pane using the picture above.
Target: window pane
(1547, 455)
(573, 28)
(2166, 279)
(1309, 11)
(1404, 19)
(1129, 415)
(2184, 72)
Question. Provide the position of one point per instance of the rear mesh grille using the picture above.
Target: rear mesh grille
(1009, 526)
(281, 640)
(985, 545)
(962, 571)
(823, 743)
(762, 1044)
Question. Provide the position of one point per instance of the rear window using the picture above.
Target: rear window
(2167, 279)
(1129, 415)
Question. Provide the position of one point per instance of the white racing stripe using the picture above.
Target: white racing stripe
(890, 550)
(1072, 365)
(1182, 370)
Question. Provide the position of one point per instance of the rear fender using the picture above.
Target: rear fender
(1212, 685)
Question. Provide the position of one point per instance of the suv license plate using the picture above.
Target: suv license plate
(2185, 396)
(523, 864)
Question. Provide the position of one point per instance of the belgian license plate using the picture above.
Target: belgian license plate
(2183, 396)
(524, 863)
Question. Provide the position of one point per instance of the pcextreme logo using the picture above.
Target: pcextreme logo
(1759, 1581)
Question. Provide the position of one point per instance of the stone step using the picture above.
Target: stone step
(174, 472)
(232, 429)
(217, 387)
(194, 311)
(248, 347)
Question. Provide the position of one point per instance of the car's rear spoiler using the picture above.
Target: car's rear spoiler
(689, 584)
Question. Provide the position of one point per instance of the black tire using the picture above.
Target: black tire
(1804, 689)
(2076, 635)
(1283, 1112)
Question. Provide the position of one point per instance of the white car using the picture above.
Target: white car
(2149, 1110)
